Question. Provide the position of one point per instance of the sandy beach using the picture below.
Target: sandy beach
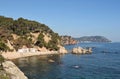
(15, 55)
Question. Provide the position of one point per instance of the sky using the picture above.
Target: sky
(69, 17)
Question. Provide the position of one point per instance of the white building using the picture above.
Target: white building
(26, 50)
(32, 50)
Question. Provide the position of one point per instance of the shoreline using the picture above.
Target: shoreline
(11, 69)
(15, 55)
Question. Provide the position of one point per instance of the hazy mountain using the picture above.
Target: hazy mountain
(93, 39)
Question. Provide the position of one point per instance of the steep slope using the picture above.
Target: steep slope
(20, 33)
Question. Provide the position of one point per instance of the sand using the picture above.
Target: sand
(15, 55)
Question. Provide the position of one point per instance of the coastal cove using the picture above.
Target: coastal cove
(103, 63)
(59, 39)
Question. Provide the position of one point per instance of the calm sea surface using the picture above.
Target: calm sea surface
(103, 63)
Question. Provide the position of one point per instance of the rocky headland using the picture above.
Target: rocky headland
(23, 37)
(68, 40)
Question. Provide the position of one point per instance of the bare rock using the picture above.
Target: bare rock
(13, 70)
(80, 50)
(62, 50)
(51, 61)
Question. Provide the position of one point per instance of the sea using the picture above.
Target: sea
(103, 63)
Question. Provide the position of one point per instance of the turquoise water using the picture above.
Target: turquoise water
(103, 63)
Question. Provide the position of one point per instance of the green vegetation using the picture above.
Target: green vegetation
(3, 47)
(51, 45)
(1, 61)
(23, 29)
(4, 77)
(40, 42)
(22, 41)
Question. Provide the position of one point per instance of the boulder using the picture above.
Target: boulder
(62, 50)
(12, 70)
(51, 61)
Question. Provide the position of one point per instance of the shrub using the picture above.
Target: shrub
(3, 47)
(1, 61)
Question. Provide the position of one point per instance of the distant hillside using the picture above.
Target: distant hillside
(67, 40)
(16, 34)
(93, 39)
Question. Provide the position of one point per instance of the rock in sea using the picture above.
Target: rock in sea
(80, 50)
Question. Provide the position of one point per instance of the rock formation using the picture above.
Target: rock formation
(62, 50)
(20, 33)
(80, 50)
(13, 70)
(68, 40)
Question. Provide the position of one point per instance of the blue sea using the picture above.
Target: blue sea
(103, 63)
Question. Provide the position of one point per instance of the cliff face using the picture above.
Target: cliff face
(23, 33)
(67, 40)
(93, 39)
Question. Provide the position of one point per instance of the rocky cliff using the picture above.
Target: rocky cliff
(68, 40)
(24, 33)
